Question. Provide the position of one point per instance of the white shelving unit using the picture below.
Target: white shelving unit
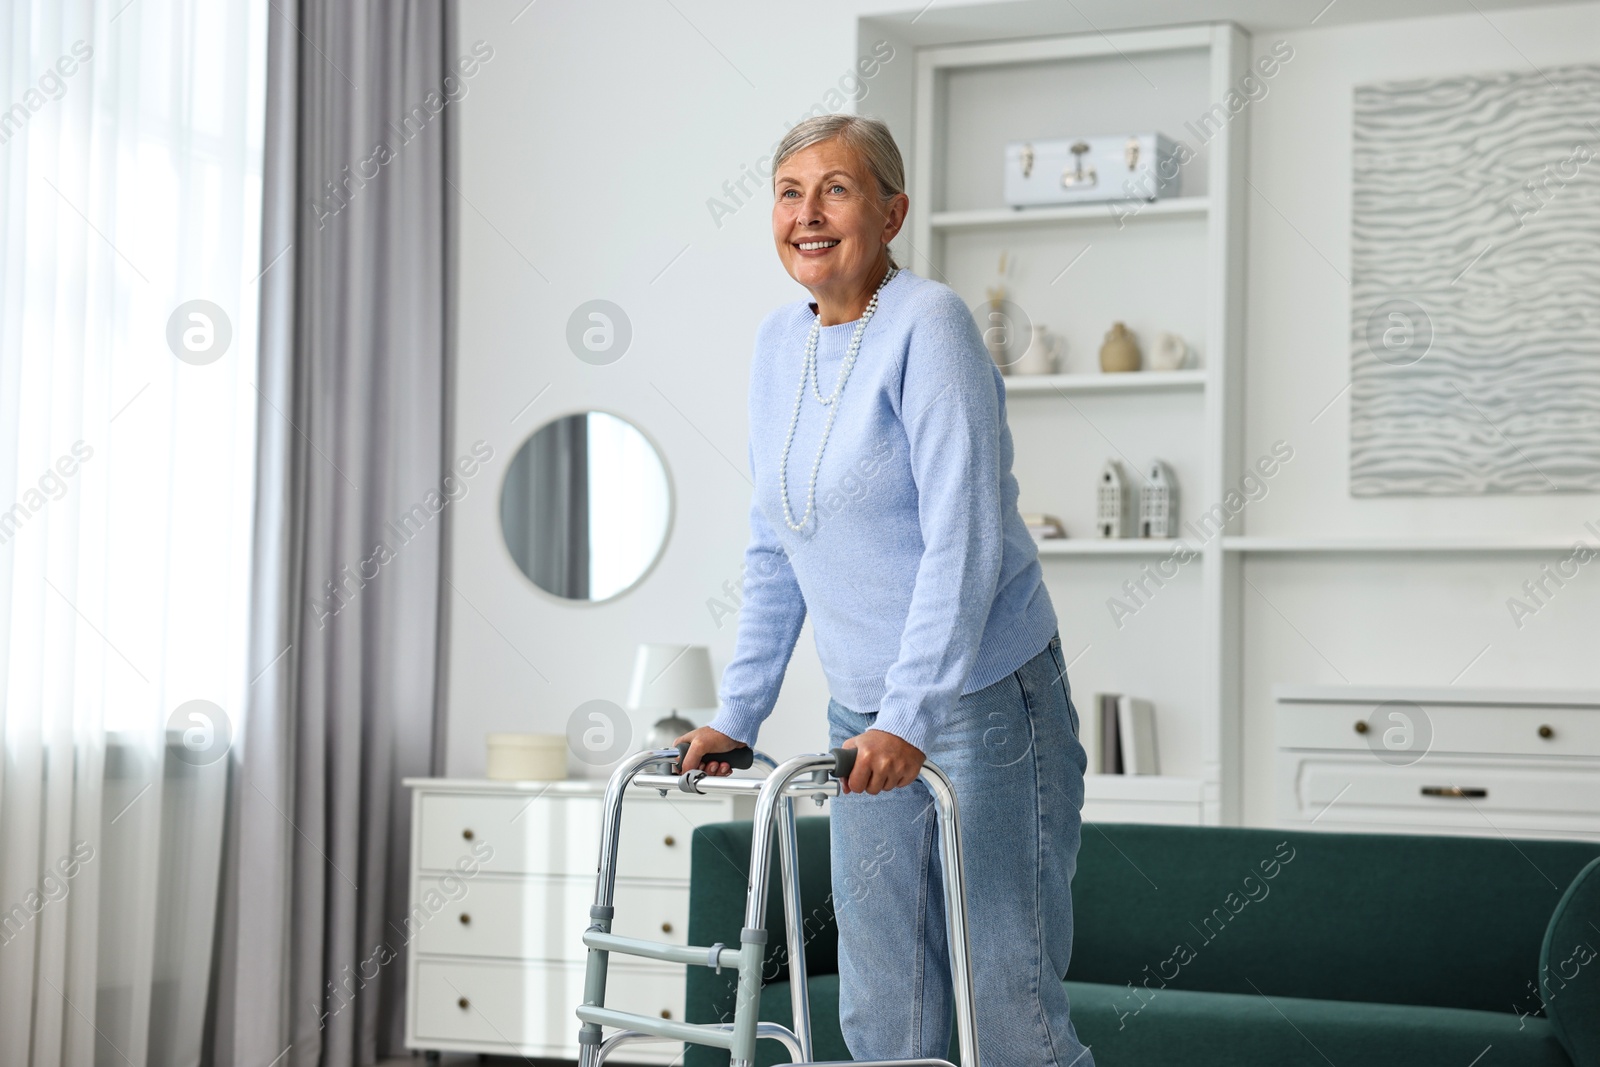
(954, 99)
(1143, 798)
(1075, 384)
(1174, 264)
(1391, 545)
(1114, 212)
(1115, 546)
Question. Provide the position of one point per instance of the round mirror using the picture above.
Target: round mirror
(585, 506)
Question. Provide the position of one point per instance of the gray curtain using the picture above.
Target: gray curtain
(348, 619)
(544, 507)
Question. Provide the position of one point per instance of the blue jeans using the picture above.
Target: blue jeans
(1012, 751)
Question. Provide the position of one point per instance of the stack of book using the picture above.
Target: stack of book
(1122, 737)
(1044, 527)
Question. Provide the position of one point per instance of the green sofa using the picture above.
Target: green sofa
(1234, 947)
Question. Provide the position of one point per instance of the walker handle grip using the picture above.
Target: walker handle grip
(740, 758)
(844, 761)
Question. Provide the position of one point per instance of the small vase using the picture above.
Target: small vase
(1120, 353)
(1169, 352)
(1040, 357)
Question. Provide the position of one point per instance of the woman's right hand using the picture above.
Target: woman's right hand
(703, 740)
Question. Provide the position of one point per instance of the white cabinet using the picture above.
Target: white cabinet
(1522, 763)
(502, 876)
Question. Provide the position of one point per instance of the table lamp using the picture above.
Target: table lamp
(669, 677)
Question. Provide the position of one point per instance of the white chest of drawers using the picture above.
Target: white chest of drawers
(502, 876)
(1514, 763)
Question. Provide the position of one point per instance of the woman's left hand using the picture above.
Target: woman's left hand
(883, 761)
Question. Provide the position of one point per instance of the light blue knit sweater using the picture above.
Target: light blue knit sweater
(921, 579)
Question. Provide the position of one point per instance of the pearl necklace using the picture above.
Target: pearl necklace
(808, 369)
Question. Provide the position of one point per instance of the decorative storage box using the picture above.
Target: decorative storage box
(526, 757)
(1072, 170)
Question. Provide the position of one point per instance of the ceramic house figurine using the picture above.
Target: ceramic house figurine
(1113, 513)
(1120, 353)
(1158, 502)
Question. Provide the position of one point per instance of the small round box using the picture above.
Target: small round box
(526, 757)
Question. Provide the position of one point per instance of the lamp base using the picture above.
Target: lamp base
(665, 732)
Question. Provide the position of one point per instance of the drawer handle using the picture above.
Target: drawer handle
(665, 1014)
(466, 835)
(462, 1004)
(669, 840)
(466, 920)
(1361, 726)
(1546, 731)
(666, 928)
(1453, 791)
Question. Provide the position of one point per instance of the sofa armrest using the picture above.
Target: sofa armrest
(1569, 968)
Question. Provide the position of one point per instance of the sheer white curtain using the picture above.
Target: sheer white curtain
(130, 163)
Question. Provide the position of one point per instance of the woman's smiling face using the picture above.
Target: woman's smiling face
(828, 221)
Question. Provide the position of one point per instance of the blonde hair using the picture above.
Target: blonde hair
(868, 137)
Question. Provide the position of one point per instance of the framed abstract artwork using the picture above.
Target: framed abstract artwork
(1475, 285)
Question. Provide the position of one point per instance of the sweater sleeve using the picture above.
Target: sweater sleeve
(950, 408)
(770, 617)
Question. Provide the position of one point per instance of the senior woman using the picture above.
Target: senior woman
(886, 507)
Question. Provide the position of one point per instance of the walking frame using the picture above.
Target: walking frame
(815, 776)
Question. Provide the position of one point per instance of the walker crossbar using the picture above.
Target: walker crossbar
(665, 1028)
(774, 1031)
(718, 956)
(801, 776)
(695, 782)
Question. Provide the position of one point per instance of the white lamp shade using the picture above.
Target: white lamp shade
(669, 677)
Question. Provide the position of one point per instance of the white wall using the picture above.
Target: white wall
(1400, 619)
(590, 145)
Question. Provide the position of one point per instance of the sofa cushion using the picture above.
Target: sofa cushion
(1569, 967)
(1238, 1030)
(1248, 1030)
(1384, 918)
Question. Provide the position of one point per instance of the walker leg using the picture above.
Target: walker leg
(794, 926)
(746, 1009)
(590, 1035)
(774, 809)
(771, 804)
(955, 911)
